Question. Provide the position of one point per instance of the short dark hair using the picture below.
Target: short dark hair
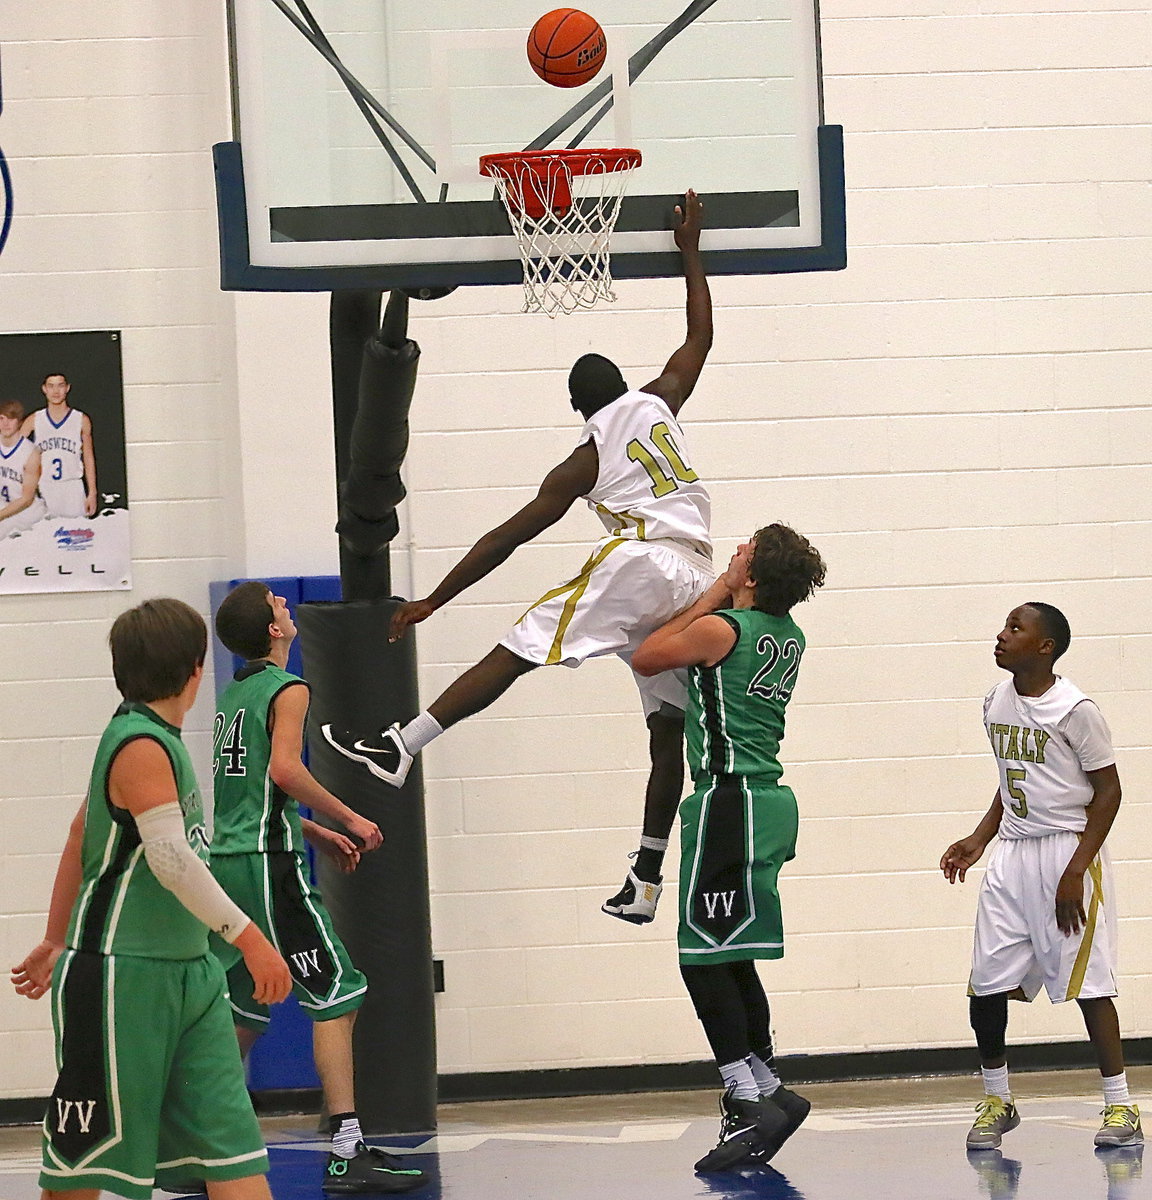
(1055, 625)
(593, 383)
(52, 375)
(243, 618)
(11, 408)
(785, 569)
(156, 648)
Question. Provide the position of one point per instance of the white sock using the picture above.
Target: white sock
(996, 1082)
(738, 1076)
(347, 1137)
(651, 843)
(766, 1079)
(419, 732)
(1116, 1089)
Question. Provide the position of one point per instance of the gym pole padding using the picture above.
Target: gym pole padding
(361, 681)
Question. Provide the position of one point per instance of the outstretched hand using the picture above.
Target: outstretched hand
(411, 612)
(691, 217)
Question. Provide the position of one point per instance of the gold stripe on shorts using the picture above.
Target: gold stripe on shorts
(1080, 967)
(577, 587)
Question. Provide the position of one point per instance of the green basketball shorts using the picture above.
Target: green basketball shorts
(151, 1087)
(735, 835)
(272, 890)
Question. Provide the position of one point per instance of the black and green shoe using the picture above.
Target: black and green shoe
(372, 1170)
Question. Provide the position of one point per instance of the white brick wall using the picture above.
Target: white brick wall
(960, 421)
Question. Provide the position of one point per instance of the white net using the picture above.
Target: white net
(563, 207)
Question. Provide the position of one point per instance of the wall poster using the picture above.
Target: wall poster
(63, 482)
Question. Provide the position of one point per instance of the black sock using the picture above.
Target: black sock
(648, 864)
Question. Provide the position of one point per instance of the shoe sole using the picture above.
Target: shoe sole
(1137, 1140)
(367, 1190)
(392, 778)
(631, 918)
(741, 1148)
(996, 1144)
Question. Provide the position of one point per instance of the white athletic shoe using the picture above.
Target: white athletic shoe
(635, 902)
(384, 754)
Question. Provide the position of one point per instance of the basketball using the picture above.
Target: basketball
(566, 47)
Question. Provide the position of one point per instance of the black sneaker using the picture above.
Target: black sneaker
(745, 1127)
(383, 754)
(636, 901)
(795, 1109)
(372, 1170)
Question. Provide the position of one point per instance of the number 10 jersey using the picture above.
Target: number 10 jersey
(646, 488)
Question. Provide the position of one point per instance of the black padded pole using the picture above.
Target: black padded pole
(374, 369)
(360, 681)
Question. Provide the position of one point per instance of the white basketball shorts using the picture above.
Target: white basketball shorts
(64, 497)
(25, 519)
(626, 589)
(1018, 943)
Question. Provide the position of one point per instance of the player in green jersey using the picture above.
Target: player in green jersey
(259, 780)
(151, 1086)
(738, 827)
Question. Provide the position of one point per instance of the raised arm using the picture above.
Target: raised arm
(695, 637)
(680, 373)
(562, 487)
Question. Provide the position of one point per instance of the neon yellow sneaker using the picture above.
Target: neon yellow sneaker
(995, 1118)
(1121, 1126)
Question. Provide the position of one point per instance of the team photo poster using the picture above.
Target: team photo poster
(63, 483)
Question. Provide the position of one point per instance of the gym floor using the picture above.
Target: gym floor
(883, 1140)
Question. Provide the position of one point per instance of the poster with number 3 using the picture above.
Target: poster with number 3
(63, 483)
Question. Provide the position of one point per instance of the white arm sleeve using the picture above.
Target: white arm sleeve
(187, 877)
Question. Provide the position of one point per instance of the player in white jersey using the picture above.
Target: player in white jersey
(20, 507)
(1045, 915)
(630, 466)
(63, 435)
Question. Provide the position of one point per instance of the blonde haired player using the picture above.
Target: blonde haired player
(1045, 914)
(20, 506)
(630, 466)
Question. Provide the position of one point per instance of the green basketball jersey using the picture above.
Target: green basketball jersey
(122, 908)
(735, 718)
(252, 815)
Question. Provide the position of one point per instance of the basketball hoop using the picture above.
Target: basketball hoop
(563, 206)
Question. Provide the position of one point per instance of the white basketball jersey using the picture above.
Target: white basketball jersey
(1042, 779)
(12, 463)
(59, 446)
(646, 488)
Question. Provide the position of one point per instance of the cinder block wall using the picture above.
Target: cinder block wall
(959, 421)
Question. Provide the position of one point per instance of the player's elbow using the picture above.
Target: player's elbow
(285, 772)
(647, 663)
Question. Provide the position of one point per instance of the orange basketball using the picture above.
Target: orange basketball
(566, 47)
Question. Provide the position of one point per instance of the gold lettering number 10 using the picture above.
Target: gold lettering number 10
(1016, 777)
(665, 444)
